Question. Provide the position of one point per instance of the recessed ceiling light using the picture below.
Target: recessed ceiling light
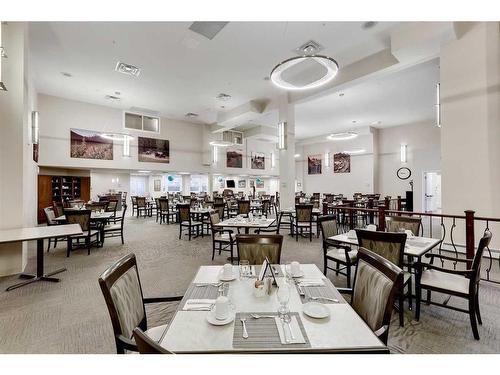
(144, 171)
(223, 97)
(129, 69)
(341, 94)
(354, 121)
(191, 115)
(118, 93)
(66, 74)
(342, 136)
(112, 97)
(297, 155)
(376, 122)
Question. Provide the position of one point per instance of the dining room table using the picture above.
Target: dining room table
(254, 325)
(246, 223)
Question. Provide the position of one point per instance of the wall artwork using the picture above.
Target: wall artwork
(89, 144)
(242, 184)
(314, 164)
(154, 150)
(258, 160)
(252, 183)
(341, 163)
(157, 185)
(234, 158)
(259, 183)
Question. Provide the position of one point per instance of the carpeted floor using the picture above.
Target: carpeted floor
(71, 316)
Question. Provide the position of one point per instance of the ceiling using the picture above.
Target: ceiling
(182, 71)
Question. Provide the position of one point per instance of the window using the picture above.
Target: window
(199, 183)
(138, 185)
(136, 121)
(173, 183)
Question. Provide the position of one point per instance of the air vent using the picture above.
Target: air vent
(223, 97)
(129, 69)
(191, 115)
(112, 97)
(369, 24)
(208, 29)
(309, 48)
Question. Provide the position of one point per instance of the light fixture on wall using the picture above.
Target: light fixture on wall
(342, 136)
(307, 71)
(126, 145)
(282, 130)
(116, 136)
(438, 105)
(403, 152)
(273, 160)
(35, 129)
(353, 152)
(327, 159)
(2, 55)
(296, 156)
(215, 155)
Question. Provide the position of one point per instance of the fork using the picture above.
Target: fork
(324, 298)
(257, 316)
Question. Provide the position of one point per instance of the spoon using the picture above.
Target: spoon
(257, 316)
(245, 333)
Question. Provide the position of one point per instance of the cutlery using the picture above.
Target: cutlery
(198, 308)
(325, 299)
(287, 340)
(245, 333)
(210, 284)
(290, 328)
(257, 316)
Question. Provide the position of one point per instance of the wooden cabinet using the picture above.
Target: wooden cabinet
(60, 189)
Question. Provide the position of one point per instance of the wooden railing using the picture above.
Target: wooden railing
(352, 214)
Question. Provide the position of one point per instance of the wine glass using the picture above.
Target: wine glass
(283, 299)
(245, 268)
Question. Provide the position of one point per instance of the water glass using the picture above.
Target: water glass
(283, 299)
(245, 270)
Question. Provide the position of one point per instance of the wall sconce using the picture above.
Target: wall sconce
(282, 130)
(438, 105)
(35, 130)
(2, 54)
(215, 155)
(327, 159)
(273, 160)
(126, 145)
(403, 153)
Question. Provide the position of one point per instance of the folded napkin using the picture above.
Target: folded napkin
(311, 282)
(284, 331)
(197, 304)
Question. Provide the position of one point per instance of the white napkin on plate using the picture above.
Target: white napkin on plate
(284, 331)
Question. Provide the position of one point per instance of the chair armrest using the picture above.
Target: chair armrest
(453, 272)
(230, 231)
(126, 343)
(430, 255)
(162, 299)
(345, 290)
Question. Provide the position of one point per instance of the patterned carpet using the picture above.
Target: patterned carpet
(71, 316)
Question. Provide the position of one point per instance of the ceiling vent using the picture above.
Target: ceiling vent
(129, 69)
(223, 97)
(191, 115)
(309, 48)
(112, 97)
(208, 29)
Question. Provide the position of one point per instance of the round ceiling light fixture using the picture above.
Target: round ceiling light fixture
(342, 136)
(221, 143)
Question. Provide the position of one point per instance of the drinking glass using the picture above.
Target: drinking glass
(245, 270)
(283, 299)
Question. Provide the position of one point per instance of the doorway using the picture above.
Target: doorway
(432, 191)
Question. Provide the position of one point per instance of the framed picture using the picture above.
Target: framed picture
(257, 160)
(234, 158)
(242, 184)
(341, 163)
(157, 185)
(89, 144)
(314, 164)
(153, 150)
(252, 183)
(259, 183)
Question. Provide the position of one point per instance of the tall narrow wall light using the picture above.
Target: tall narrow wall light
(438, 105)
(35, 130)
(327, 159)
(215, 154)
(403, 153)
(273, 160)
(282, 129)
(126, 145)
(2, 55)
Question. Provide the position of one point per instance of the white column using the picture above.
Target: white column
(186, 184)
(286, 157)
(210, 184)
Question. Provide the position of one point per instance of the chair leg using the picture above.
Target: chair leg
(213, 250)
(325, 260)
(401, 308)
(348, 274)
(180, 231)
(48, 246)
(476, 302)
(87, 242)
(428, 296)
(410, 293)
(310, 233)
(55, 242)
(472, 316)
(189, 232)
(418, 293)
(68, 251)
(123, 242)
(337, 266)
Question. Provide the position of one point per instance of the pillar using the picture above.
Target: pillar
(286, 157)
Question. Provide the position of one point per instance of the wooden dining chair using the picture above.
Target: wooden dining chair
(343, 256)
(142, 206)
(459, 283)
(391, 246)
(146, 345)
(377, 281)
(116, 229)
(222, 239)
(134, 204)
(402, 223)
(243, 207)
(302, 220)
(164, 211)
(256, 247)
(50, 217)
(90, 236)
(121, 287)
(185, 220)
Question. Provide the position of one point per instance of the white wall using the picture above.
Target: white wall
(101, 182)
(423, 155)
(58, 116)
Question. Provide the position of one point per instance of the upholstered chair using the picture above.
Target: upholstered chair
(402, 223)
(146, 345)
(185, 221)
(256, 247)
(303, 220)
(343, 256)
(222, 239)
(116, 229)
(121, 287)
(90, 235)
(243, 207)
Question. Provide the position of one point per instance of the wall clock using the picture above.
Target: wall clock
(403, 173)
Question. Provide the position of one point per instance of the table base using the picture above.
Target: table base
(34, 278)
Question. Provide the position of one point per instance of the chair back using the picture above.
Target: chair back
(112, 205)
(81, 217)
(256, 247)
(303, 212)
(58, 208)
(484, 242)
(388, 245)
(134, 200)
(146, 345)
(141, 202)
(98, 206)
(315, 203)
(184, 210)
(265, 206)
(402, 223)
(219, 207)
(329, 198)
(121, 287)
(328, 225)
(214, 219)
(218, 200)
(163, 204)
(124, 210)
(243, 207)
(376, 283)
(50, 216)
